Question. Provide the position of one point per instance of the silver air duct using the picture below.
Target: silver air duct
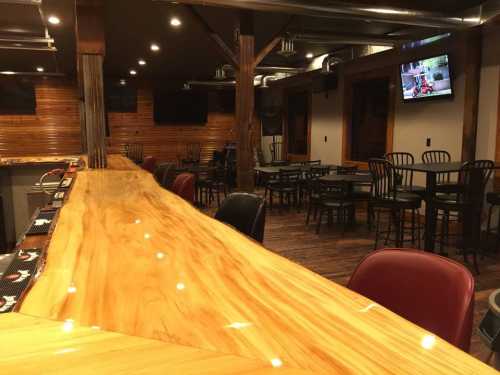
(329, 63)
(340, 38)
(342, 10)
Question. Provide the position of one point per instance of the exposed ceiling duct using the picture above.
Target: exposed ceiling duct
(342, 38)
(329, 63)
(368, 12)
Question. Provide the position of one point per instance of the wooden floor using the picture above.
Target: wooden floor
(335, 256)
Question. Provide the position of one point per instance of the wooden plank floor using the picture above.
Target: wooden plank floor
(335, 256)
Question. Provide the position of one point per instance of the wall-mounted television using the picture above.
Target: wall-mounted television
(17, 97)
(120, 98)
(180, 107)
(426, 79)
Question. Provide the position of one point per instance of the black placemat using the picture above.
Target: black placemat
(41, 224)
(17, 277)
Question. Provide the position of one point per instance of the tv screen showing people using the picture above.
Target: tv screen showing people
(428, 78)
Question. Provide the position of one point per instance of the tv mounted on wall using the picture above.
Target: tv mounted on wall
(180, 107)
(426, 79)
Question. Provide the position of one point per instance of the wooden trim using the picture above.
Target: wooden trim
(472, 72)
(219, 43)
(273, 42)
(349, 80)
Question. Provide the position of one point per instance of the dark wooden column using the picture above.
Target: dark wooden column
(245, 102)
(90, 44)
(472, 43)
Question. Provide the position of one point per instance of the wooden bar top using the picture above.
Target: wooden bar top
(36, 160)
(132, 258)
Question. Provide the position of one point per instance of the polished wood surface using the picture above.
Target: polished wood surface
(54, 130)
(38, 346)
(36, 160)
(132, 258)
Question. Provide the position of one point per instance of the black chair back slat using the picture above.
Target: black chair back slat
(438, 156)
(383, 179)
(404, 177)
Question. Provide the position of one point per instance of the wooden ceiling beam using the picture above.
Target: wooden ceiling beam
(226, 52)
(273, 42)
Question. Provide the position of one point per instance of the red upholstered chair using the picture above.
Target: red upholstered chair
(149, 164)
(431, 291)
(184, 186)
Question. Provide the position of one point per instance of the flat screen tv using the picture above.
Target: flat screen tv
(426, 79)
(180, 107)
(17, 97)
(120, 98)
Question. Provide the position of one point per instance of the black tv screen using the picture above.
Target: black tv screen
(17, 97)
(427, 78)
(180, 107)
(121, 98)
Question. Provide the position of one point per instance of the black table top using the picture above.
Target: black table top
(303, 168)
(354, 178)
(450, 167)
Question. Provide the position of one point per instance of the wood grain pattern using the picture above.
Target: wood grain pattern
(34, 345)
(54, 130)
(145, 263)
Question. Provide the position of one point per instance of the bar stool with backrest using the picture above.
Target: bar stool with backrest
(184, 186)
(386, 198)
(245, 212)
(312, 189)
(149, 164)
(443, 180)
(287, 187)
(460, 201)
(334, 199)
(493, 199)
(405, 177)
(433, 292)
(164, 174)
(135, 152)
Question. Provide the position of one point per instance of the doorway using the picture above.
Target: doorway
(298, 125)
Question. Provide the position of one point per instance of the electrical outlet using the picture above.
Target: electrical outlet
(428, 142)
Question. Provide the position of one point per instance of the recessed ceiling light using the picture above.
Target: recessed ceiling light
(17, 44)
(123, 82)
(175, 22)
(8, 72)
(154, 47)
(309, 55)
(40, 69)
(132, 72)
(54, 20)
(142, 62)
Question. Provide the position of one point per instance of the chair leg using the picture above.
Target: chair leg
(318, 224)
(413, 227)
(474, 260)
(270, 200)
(377, 228)
(308, 215)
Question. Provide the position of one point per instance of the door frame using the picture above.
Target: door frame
(287, 155)
(349, 80)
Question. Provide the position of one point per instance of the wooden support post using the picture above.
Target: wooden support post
(472, 56)
(90, 44)
(245, 103)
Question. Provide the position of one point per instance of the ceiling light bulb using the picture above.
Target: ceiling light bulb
(142, 62)
(309, 55)
(40, 69)
(175, 22)
(123, 83)
(8, 72)
(54, 20)
(155, 47)
(132, 72)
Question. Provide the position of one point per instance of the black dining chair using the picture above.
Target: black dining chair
(135, 152)
(386, 198)
(312, 189)
(212, 184)
(461, 200)
(334, 199)
(165, 174)
(444, 183)
(245, 212)
(493, 200)
(287, 187)
(404, 176)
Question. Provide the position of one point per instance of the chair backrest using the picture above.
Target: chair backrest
(193, 152)
(311, 162)
(383, 179)
(438, 156)
(149, 164)
(184, 186)
(135, 152)
(433, 292)
(275, 148)
(481, 169)
(165, 174)
(347, 169)
(317, 172)
(289, 177)
(405, 177)
(245, 212)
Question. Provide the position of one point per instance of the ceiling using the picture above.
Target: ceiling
(186, 52)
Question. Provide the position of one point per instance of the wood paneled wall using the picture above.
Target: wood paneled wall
(169, 142)
(54, 130)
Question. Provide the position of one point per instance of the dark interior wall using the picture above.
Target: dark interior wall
(53, 130)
